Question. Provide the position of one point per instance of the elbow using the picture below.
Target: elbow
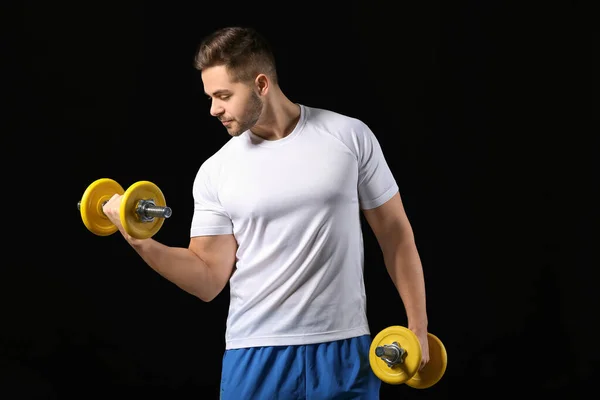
(205, 296)
(211, 283)
(397, 239)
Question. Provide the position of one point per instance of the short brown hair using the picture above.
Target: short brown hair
(243, 51)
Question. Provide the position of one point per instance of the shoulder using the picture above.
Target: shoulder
(333, 120)
(214, 164)
(353, 132)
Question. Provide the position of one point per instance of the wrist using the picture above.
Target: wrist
(418, 326)
(134, 242)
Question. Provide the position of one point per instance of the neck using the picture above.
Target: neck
(279, 117)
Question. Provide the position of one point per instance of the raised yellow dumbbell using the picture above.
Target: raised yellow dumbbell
(395, 356)
(143, 209)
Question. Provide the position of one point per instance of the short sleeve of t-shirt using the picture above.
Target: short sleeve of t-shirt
(376, 183)
(209, 217)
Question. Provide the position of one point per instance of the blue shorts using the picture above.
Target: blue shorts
(324, 371)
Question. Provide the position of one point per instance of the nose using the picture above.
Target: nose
(216, 109)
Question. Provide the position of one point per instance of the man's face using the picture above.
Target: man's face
(235, 104)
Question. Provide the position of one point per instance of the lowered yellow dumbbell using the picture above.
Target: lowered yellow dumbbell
(143, 209)
(395, 356)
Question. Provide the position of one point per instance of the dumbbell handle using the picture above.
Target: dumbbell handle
(146, 209)
(391, 354)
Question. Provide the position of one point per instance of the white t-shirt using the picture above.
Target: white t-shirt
(294, 207)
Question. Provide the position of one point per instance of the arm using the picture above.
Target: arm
(203, 269)
(395, 237)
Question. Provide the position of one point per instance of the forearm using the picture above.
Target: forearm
(178, 265)
(404, 267)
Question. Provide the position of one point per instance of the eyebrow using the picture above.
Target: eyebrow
(219, 92)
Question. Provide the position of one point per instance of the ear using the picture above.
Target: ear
(262, 84)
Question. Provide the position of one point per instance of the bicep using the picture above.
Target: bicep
(219, 254)
(389, 221)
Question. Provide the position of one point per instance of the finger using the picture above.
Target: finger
(114, 197)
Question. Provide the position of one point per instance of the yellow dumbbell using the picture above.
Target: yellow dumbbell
(395, 356)
(143, 209)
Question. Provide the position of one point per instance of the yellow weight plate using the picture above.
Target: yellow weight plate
(399, 373)
(435, 368)
(133, 225)
(92, 201)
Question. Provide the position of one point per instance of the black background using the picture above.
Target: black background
(474, 104)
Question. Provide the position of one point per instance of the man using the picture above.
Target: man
(277, 216)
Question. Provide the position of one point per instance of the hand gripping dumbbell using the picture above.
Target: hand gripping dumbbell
(395, 357)
(143, 208)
